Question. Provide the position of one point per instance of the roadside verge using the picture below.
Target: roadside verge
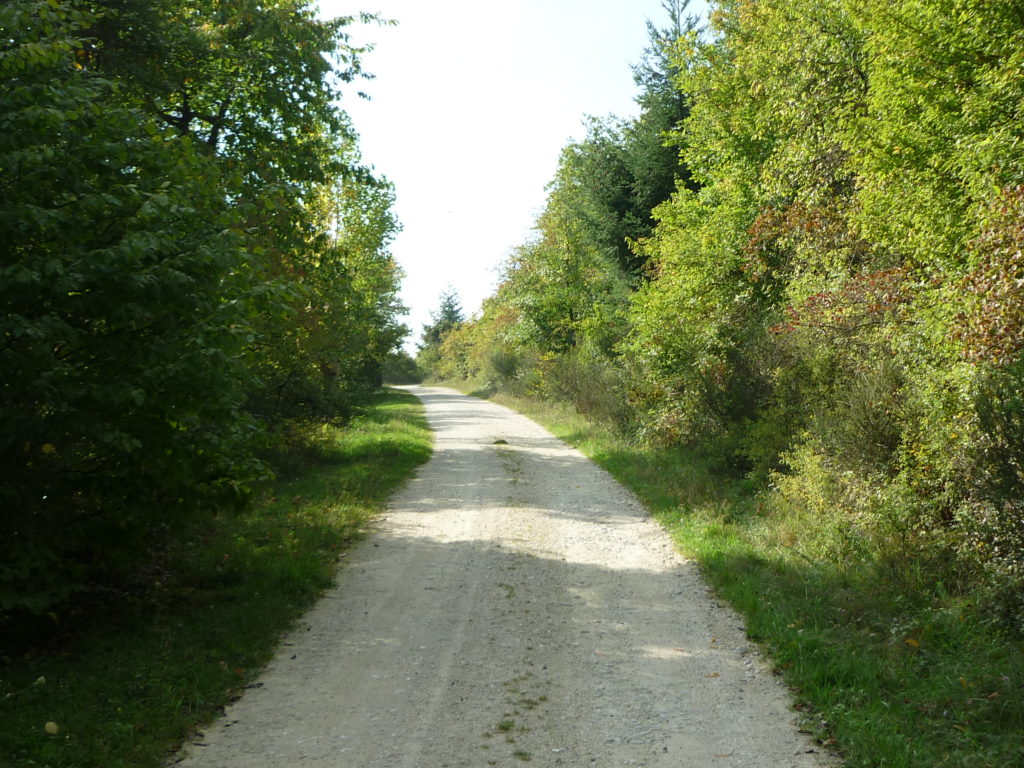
(123, 680)
(885, 672)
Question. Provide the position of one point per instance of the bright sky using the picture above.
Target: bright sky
(470, 107)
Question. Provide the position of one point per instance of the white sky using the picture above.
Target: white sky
(470, 107)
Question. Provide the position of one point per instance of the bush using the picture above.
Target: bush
(502, 365)
(401, 368)
(592, 384)
(991, 544)
(862, 425)
(122, 366)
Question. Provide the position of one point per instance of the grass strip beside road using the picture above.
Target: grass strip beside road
(889, 667)
(127, 684)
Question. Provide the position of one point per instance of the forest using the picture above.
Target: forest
(195, 264)
(802, 260)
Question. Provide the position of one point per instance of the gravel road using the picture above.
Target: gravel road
(514, 604)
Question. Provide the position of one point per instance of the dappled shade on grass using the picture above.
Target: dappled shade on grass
(130, 678)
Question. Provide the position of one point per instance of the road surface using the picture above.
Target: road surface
(514, 605)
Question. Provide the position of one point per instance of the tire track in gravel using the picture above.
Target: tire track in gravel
(515, 604)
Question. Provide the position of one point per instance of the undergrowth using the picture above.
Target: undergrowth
(122, 677)
(891, 662)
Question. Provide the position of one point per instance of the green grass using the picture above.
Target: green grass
(126, 684)
(889, 667)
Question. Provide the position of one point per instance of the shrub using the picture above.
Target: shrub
(401, 368)
(592, 384)
(122, 366)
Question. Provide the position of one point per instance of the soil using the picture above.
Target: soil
(515, 604)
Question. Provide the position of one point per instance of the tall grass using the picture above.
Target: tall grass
(121, 681)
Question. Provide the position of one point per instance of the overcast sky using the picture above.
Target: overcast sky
(471, 104)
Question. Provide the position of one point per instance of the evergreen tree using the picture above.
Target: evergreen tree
(447, 318)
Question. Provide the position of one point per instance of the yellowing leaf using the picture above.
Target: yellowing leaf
(52, 728)
(913, 642)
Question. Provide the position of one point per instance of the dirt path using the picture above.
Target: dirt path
(515, 604)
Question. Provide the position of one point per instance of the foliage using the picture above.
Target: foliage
(561, 310)
(400, 368)
(121, 360)
(808, 300)
(322, 351)
(448, 317)
(652, 142)
(190, 243)
(446, 321)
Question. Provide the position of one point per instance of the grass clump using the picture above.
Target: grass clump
(891, 659)
(122, 677)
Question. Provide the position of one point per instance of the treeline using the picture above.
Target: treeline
(804, 260)
(193, 257)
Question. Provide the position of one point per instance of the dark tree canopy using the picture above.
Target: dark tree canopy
(191, 250)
